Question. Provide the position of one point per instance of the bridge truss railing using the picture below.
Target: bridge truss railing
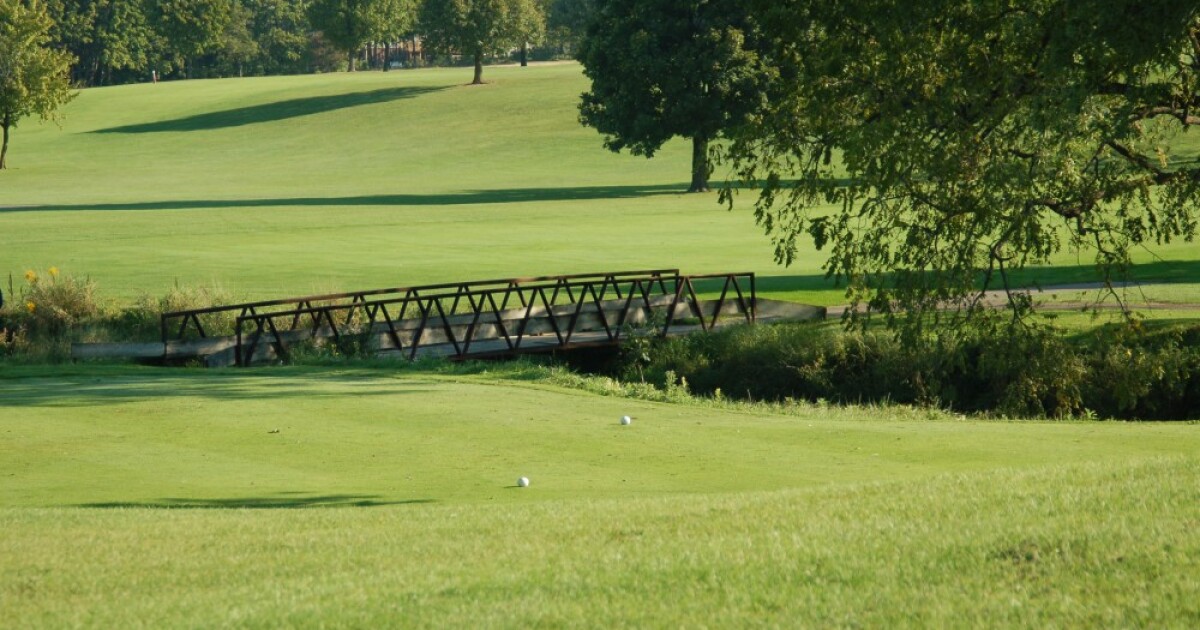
(460, 316)
(199, 323)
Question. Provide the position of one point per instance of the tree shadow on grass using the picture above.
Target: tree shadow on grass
(69, 391)
(280, 501)
(271, 112)
(467, 197)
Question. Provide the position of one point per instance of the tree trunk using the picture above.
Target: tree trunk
(352, 60)
(524, 54)
(478, 69)
(387, 56)
(700, 169)
(6, 123)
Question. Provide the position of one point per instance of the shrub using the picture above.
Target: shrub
(142, 321)
(49, 306)
(1148, 375)
(1123, 372)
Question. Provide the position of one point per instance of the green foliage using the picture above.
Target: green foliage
(109, 38)
(972, 139)
(190, 28)
(280, 29)
(393, 19)
(347, 24)
(475, 28)
(34, 78)
(236, 45)
(121, 41)
(666, 68)
(1135, 373)
(1015, 372)
(566, 23)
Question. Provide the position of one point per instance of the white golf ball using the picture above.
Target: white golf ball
(626, 420)
(523, 482)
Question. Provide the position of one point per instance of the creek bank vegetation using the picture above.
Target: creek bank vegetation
(1126, 370)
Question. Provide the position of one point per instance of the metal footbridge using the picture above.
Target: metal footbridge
(464, 320)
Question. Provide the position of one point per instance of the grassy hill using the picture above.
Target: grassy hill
(312, 496)
(281, 185)
(284, 185)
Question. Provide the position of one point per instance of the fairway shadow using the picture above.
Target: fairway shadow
(81, 391)
(271, 112)
(467, 197)
(281, 501)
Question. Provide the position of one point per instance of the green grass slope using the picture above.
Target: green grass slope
(282, 185)
(135, 497)
(285, 185)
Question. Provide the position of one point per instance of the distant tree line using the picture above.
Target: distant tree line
(127, 41)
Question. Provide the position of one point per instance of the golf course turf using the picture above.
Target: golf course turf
(313, 496)
(370, 495)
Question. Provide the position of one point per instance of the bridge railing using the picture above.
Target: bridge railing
(456, 314)
(178, 325)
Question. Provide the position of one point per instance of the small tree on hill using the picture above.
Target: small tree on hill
(476, 28)
(665, 68)
(34, 79)
(392, 20)
(350, 24)
(190, 28)
(347, 24)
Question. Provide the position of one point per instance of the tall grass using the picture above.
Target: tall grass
(52, 309)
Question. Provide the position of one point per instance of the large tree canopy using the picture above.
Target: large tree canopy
(34, 79)
(960, 140)
(190, 28)
(106, 36)
(476, 28)
(567, 20)
(347, 24)
(393, 20)
(666, 68)
(281, 30)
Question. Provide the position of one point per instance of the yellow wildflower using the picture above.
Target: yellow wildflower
(30, 306)
(30, 276)
(53, 272)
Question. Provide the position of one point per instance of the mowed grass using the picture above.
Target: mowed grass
(320, 496)
(138, 497)
(277, 186)
(286, 185)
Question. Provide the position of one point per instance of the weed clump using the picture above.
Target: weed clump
(42, 317)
